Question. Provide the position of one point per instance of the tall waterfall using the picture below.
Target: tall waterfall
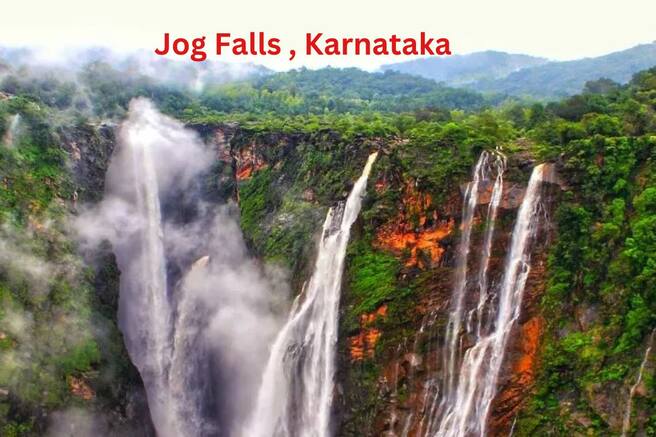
(167, 301)
(295, 397)
(12, 130)
(149, 344)
(466, 408)
(626, 422)
(482, 281)
(482, 175)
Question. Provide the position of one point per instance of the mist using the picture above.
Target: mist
(197, 313)
(67, 62)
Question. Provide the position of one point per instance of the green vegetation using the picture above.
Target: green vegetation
(337, 91)
(310, 133)
(601, 262)
(46, 299)
(467, 69)
(373, 277)
(51, 328)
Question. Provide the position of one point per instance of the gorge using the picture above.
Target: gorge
(164, 321)
(171, 266)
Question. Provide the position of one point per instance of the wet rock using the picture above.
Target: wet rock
(413, 360)
(415, 232)
(604, 400)
(587, 316)
(308, 195)
(80, 388)
(550, 175)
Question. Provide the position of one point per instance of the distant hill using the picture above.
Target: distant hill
(465, 69)
(558, 79)
(352, 89)
(528, 76)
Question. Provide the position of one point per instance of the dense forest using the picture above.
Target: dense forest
(298, 140)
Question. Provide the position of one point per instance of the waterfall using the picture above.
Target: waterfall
(466, 409)
(626, 423)
(481, 175)
(190, 359)
(455, 317)
(12, 131)
(149, 346)
(482, 277)
(143, 170)
(295, 397)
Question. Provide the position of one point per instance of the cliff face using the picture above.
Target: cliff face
(571, 366)
(403, 369)
(399, 278)
(59, 309)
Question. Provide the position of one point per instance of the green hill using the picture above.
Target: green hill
(465, 69)
(559, 79)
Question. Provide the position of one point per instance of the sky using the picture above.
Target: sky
(555, 29)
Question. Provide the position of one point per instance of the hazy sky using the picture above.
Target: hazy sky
(557, 29)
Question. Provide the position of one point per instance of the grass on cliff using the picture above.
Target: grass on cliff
(602, 263)
(372, 277)
(46, 296)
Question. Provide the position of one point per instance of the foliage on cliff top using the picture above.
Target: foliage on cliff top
(600, 297)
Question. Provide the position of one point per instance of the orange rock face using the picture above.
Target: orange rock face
(80, 388)
(524, 367)
(248, 162)
(400, 235)
(363, 345)
(530, 340)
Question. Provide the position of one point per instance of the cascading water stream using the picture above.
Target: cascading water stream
(136, 181)
(626, 422)
(189, 358)
(436, 401)
(455, 317)
(152, 339)
(467, 409)
(12, 131)
(295, 397)
(482, 277)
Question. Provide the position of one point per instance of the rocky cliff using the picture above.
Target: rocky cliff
(579, 359)
(399, 278)
(64, 368)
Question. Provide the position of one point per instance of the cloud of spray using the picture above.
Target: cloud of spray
(202, 361)
(40, 331)
(67, 62)
(80, 422)
(20, 265)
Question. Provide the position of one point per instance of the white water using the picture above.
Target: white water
(452, 352)
(137, 178)
(198, 315)
(12, 131)
(189, 358)
(626, 423)
(153, 336)
(456, 315)
(467, 409)
(482, 278)
(295, 398)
